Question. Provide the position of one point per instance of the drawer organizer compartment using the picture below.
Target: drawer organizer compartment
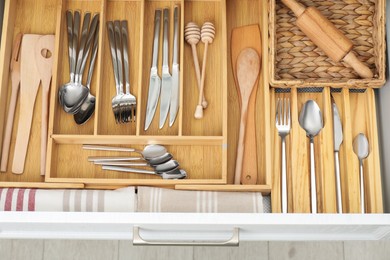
(356, 109)
(205, 148)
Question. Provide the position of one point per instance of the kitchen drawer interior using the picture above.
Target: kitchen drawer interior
(356, 107)
(207, 148)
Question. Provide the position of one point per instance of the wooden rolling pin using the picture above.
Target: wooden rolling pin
(326, 36)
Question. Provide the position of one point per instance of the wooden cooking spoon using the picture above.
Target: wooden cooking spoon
(252, 36)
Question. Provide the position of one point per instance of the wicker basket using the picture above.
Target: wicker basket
(296, 61)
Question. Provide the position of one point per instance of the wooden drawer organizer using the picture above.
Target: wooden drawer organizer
(206, 149)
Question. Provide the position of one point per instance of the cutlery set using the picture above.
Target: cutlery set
(310, 119)
(74, 97)
(168, 84)
(193, 34)
(152, 156)
(31, 66)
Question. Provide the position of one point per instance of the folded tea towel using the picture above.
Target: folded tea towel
(120, 200)
(166, 200)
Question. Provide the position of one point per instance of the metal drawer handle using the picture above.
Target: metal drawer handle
(138, 240)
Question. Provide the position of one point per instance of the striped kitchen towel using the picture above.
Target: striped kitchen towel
(166, 200)
(120, 200)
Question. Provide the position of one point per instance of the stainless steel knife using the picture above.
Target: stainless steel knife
(337, 140)
(166, 86)
(174, 107)
(155, 81)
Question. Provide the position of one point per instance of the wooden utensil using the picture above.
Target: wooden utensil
(44, 51)
(252, 36)
(207, 34)
(326, 36)
(192, 36)
(15, 80)
(29, 84)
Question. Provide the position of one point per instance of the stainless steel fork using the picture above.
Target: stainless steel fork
(283, 125)
(118, 82)
(128, 101)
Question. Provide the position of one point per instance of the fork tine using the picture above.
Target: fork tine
(289, 113)
(285, 111)
(277, 112)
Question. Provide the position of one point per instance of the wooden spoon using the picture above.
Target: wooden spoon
(44, 51)
(252, 36)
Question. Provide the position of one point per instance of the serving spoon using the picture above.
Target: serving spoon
(310, 120)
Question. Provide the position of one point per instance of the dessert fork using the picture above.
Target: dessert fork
(283, 125)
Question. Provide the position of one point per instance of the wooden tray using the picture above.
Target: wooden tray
(205, 148)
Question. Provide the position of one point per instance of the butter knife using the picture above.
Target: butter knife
(166, 85)
(155, 81)
(174, 107)
(337, 140)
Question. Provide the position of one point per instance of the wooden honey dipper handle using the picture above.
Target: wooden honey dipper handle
(192, 36)
(207, 34)
(326, 36)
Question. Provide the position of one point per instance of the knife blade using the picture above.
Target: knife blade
(174, 106)
(155, 81)
(337, 140)
(166, 85)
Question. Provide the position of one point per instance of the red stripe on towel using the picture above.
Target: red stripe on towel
(8, 199)
(19, 202)
(31, 200)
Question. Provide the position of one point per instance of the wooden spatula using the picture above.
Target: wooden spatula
(29, 84)
(44, 51)
(246, 167)
(15, 80)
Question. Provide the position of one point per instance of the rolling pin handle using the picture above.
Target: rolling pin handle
(358, 66)
(296, 7)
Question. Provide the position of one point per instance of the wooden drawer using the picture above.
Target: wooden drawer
(205, 148)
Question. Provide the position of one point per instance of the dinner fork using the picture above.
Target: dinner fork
(128, 101)
(118, 84)
(283, 125)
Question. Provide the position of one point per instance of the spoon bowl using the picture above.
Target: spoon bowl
(310, 118)
(361, 146)
(72, 96)
(86, 110)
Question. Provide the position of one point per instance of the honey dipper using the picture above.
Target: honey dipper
(192, 36)
(207, 34)
(327, 37)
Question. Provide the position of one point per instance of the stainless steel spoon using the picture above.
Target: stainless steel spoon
(361, 149)
(72, 95)
(173, 174)
(150, 151)
(88, 107)
(129, 161)
(163, 167)
(310, 120)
